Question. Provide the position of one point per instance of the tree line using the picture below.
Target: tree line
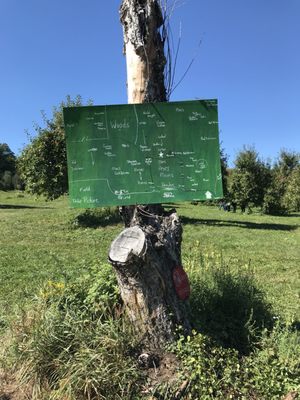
(252, 182)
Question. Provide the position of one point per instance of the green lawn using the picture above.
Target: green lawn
(37, 244)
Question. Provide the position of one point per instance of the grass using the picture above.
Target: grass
(269, 245)
(244, 345)
(37, 244)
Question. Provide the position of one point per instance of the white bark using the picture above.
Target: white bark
(144, 50)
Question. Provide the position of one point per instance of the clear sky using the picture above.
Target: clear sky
(249, 59)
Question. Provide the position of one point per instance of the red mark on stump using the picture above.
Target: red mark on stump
(181, 283)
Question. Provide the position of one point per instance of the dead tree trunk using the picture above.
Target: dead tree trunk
(144, 49)
(146, 255)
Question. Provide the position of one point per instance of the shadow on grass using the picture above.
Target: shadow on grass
(19, 207)
(96, 218)
(238, 224)
(230, 309)
(175, 205)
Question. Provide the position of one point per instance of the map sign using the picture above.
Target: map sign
(143, 153)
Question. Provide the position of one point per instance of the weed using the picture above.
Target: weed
(215, 372)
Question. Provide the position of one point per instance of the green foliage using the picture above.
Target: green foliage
(43, 162)
(273, 201)
(282, 193)
(7, 159)
(286, 162)
(292, 194)
(8, 177)
(74, 337)
(249, 179)
(76, 345)
(215, 372)
(229, 307)
(224, 171)
(94, 218)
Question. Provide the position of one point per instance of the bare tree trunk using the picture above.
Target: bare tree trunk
(144, 49)
(146, 255)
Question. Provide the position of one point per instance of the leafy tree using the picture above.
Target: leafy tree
(250, 178)
(43, 162)
(276, 200)
(7, 159)
(273, 203)
(287, 162)
(292, 194)
(284, 166)
(7, 167)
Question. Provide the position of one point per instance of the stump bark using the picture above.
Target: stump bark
(144, 257)
(147, 252)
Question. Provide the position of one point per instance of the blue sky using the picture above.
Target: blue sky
(249, 60)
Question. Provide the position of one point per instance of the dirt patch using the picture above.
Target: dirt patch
(10, 389)
(164, 374)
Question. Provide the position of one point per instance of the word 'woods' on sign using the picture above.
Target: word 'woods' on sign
(143, 153)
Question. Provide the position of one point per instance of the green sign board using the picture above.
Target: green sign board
(143, 153)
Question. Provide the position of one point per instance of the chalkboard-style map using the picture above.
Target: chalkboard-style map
(143, 153)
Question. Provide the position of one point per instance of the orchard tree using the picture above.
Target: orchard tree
(287, 162)
(291, 197)
(7, 167)
(250, 178)
(43, 162)
(283, 168)
(7, 159)
(276, 199)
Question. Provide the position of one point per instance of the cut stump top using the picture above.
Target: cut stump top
(131, 241)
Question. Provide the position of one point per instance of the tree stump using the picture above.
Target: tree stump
(144, 257)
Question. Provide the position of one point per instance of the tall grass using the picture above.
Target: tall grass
(76, 342)
(227, 304)
(239, 348)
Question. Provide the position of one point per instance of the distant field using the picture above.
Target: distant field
(38, 244)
